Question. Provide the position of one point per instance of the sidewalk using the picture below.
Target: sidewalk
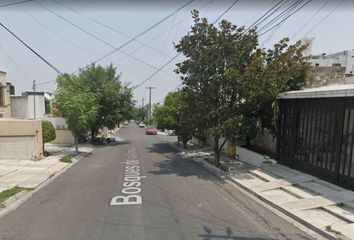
(321, 206)
(30, 174)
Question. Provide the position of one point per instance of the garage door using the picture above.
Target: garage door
(19, 147)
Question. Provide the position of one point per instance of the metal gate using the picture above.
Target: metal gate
(315, 135)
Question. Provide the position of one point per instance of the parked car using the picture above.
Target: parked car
(151, 130)
(126, 123)
(142, 125)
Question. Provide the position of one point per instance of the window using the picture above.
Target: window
(317, 64)
(336, 64)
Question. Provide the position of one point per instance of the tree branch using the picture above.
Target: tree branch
(222, 145)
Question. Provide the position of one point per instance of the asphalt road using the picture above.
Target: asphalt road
(180, 200)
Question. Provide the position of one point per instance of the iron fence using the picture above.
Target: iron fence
(315, 135)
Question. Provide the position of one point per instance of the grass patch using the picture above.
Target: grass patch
(330, 229)
(4, 195)
(66, 159)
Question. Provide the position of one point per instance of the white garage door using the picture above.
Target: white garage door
(17, 147)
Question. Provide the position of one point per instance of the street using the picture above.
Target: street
(179, 200)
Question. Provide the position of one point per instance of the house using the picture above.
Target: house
(316, 132)
(37, 105)
(19, 138)
(5, 89)
(340, 59)
(31, 105)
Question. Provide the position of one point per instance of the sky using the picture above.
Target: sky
(68, 48)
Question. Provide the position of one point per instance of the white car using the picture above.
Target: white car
(142, 125)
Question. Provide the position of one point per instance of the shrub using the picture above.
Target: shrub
(48, 132)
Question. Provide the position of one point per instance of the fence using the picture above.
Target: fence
(315, 135)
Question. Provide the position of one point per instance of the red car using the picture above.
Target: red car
(151, 130)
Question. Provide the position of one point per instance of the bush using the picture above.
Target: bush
(48, 132)
(66, 159)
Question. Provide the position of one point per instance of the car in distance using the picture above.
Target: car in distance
(151, 130)
(142, 125)
(125, 123)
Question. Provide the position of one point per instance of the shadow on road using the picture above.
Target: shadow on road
(229, 235)
(178, 165)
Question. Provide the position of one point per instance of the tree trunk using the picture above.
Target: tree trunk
(216, 150)
(76, 145)
(92, 135)
(185, 143)
(248, 141)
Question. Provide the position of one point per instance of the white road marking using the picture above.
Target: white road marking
(131, 185)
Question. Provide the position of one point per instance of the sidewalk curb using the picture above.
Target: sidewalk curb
(17, 200)
(271, 206)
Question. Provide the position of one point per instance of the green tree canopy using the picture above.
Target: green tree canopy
(78, 106)
(231, 84)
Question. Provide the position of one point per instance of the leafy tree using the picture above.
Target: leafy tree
(48, 132)
(79, 107)
(139, 114)
(114, 99)
(269, 73)
(215, 61)
(166, 115)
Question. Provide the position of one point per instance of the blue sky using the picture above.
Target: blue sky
(68, 48)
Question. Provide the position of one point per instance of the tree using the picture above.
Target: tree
(215, 61)
(79, 107)
(113, 98)
(166, 115)
(48, 132)
(269, 73)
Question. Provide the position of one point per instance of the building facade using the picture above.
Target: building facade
(5, 106)
(341, 59)
(31, 105)
(316, 132)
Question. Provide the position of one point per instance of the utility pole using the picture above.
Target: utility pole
(34, 98)
(150, 107)
(142, 108)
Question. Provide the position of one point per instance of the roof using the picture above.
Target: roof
(345, 90)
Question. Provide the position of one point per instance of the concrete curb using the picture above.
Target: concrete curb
(272, 206)
(17, 200)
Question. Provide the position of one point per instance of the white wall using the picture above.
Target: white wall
(345, 58)
(58, 122)
(19, 107)
(23, 107)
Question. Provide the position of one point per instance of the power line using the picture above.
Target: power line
(280, 23)
(169, 61)
(58, 35)
(94, 36)
(15, 3)
(228, 9)
(179, 23)
(144, 32)
(323, 19)
(312, 17)
(110, 28)
(287, 14)
(37, 54)
(264, 16)
(13, 62)
(283, 14)
(278, 26)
